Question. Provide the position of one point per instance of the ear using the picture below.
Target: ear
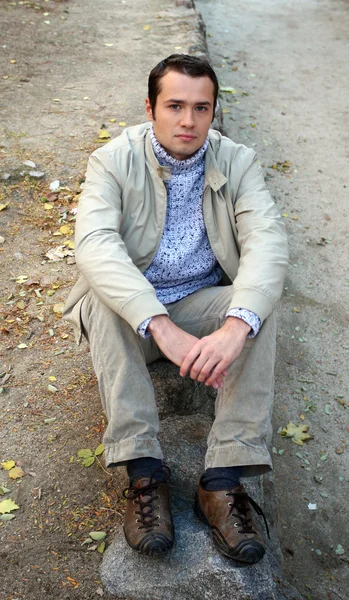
(148, 109)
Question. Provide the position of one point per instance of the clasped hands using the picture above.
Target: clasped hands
(206, 360)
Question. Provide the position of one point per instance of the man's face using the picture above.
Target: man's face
(183, 113)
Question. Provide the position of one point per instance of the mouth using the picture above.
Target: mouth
(186, 137)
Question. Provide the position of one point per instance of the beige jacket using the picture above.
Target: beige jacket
(121, 217)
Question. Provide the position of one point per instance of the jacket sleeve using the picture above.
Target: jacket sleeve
(101, 254)
(262, 240)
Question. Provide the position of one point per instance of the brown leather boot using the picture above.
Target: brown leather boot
(229, 515)
(148, 525)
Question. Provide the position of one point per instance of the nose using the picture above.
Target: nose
(187, 119)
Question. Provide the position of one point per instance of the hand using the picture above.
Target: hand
(208, 360)
(172, 341)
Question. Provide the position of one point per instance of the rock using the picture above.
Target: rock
(37, 174)
(54, 185)
(29, 163)
(6, 176)
(193, 570)
(2, 240)
(177, 395)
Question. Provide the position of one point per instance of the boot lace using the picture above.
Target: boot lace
(240, 509)
(145, 498)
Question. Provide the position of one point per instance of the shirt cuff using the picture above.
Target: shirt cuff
(143, 329)
(249, 317)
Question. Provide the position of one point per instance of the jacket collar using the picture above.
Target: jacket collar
(213, 175)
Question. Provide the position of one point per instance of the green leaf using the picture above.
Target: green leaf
(3, 490)
(228, 90)
(98, 536)
(84, 452)
(88, 461)
(7, 517)
(99, 450)
(339, 550)
(101, 548)
(6, 506)
(87, 541)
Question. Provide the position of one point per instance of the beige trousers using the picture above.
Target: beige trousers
(241, 431)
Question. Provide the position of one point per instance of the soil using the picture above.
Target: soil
(81, 68)
(68, 70)
(288, 64)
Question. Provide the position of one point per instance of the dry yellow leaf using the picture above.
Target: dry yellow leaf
(298, 433)
(146, 27)
(52, 378)
(70, 244)
(8, 465)
(112, 120)
(58, 308)
(66, 230)
(16, 473)
(3, 206)
(48, 206)
(103, 134)
(122, 123)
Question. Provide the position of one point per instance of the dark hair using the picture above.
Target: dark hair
(193, 66)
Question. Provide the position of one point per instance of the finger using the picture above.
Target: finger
(202, 368)
(190, 359)
(216, 374)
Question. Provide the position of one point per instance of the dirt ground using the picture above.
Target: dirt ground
(69, 69)
(287, 62)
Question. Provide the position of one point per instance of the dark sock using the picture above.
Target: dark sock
(221, 478)
(144, 467)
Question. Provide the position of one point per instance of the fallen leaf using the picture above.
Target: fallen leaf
(228, 90)
(7, 517)
(48, 206)
(339, 550)
(8, 465)
(146, 27)
(101, 548)
(312, 506)
(103, 134)
(122, 124)
(22, 346)
(88, 461)
(58, 308)
(16, 473)
(52, 389)
(99, 450)
(85, 452)
(97, 536)
(298, 433)
(4, 490)
(52, 378)
(109, 45)
(3, 206)
(66, 230)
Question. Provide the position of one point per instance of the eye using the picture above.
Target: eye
(175, 106)
(201, 108)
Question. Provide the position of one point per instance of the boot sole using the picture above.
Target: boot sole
(248, 552)
(153, 544)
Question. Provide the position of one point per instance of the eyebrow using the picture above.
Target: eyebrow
(175, 101)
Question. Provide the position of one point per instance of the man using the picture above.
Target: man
(182, 254)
